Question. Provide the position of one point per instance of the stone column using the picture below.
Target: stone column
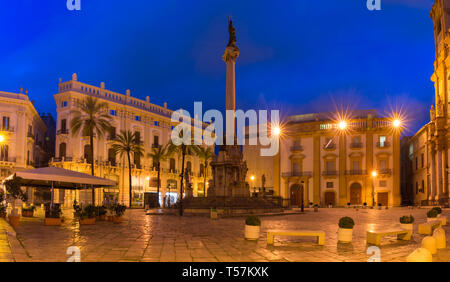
(439, 171)
(343, 193)
(433, 174)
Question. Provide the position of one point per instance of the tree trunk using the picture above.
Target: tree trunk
(129, 175)
(157, 186)
(204, 175)
(91, 140)
(183, 153)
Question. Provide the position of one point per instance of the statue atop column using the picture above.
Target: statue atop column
(432, 113)
(232, 33)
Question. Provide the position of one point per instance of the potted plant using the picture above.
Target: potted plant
(28, 211)
(439, 210)
(348, 205)
(53, 216)
(110, 216)
(14, 192)
(407, 222)
(432, 215)
(213, 213)
(316, 207)
(311, 204)
(365, 205)
(345, 231)
(119, 211)
(379, 206)
(101, 213)
(252, 227)
(2, 205)
(87, 215)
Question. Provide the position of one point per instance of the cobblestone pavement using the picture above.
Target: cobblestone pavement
(143, 237)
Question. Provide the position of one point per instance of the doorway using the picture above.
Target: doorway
(355, 193)
(296, 195)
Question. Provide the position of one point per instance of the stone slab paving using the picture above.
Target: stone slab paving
(148, 238)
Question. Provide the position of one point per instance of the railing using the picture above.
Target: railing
(155, 145)
(296, 173)
(385, 171)
(355, 172)
(62, 131)
(111, 137)
(383, 144)
(296, 148)
(330, 172)
(356, 145)
(7, 129)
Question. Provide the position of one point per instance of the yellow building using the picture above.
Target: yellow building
(323, 160)
(152, 122)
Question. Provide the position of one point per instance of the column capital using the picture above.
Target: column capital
(231, 54)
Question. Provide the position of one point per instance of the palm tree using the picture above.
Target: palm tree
(183, 150)
(158, 155)
(91, 119)
(204, 154)
(128, 143)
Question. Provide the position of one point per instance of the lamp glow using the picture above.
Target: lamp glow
(396, 123)
(342, 125)
(252, 177)
(276, 131)
(374, 173)
(2, 138)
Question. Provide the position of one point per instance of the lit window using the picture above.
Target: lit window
(156, 123)
(112, 112)
(64, 104)
(138, 118)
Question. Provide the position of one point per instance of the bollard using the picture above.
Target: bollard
(420, 255)
(439, 235)
(429, 243)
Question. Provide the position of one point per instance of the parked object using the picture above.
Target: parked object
(119, 211)
(407, 222)
(28, 211)
(345, 231)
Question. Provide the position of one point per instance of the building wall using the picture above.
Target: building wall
(327, 173)
(127, 113)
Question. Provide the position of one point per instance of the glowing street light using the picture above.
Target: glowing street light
(342, 125)
(374, 173)
(252, 177)
(276, 131)
(396, 123)
(2, 138)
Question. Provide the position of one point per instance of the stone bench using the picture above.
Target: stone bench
(428, 227)
(301, 233)
(374, 236)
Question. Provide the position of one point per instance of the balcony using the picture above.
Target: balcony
(30, 135)
(111, 137)
(62, 131)
(383, 144)
(296, 173)
(330, 173)
(296, 148)
(385, 171)
(356, 145)
(331, 146)
(356, 172)
(155, 145)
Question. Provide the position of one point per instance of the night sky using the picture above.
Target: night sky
(297, 56)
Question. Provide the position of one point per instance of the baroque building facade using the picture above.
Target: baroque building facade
(154, 126)
(428, 150)
(327, 162)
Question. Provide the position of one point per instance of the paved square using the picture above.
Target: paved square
(194, 238)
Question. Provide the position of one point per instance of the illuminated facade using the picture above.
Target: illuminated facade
(324, 162)
(127, 113)
(429, 147)
(22, 133)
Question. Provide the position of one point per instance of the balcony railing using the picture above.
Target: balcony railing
(62, 131)
(355, 172)
(330, 172)
(155, 145)
(7, 129)
(356, 145)
(385, 171)
(111, 137)
(296, 173)
(331, 146)
(383, 144)
(296, 148)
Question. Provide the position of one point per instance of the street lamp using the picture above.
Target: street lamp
(396, 123)
(374, 175)
(342, 125)
(252, 179)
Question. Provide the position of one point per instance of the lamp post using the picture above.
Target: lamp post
(252, 179)
(374, 175)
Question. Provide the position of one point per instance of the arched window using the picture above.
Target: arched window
(87, 153)
(62, 150)
(188, 166)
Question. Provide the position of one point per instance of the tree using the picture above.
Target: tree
(128, 143)
(91, 119)
(158, 155)
(205, 154)
(14, 191)
(183, 150)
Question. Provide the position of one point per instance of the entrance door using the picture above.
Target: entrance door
(355, 194)
(329, 198)
(382, 197)
(296, 195)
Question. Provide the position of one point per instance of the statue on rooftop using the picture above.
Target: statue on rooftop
(232, 33)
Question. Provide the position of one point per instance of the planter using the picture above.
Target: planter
(407, 226)
(117, 219)
(430, 219)
(252, 232)
(27, 213)
(213, 214)
(51, 221)
(345, 235)
(87, 221)
(14, 220)
(101, 218)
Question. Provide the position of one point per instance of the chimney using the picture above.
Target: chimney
(102, 85)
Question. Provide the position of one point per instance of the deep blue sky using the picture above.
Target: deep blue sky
(295, 55)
